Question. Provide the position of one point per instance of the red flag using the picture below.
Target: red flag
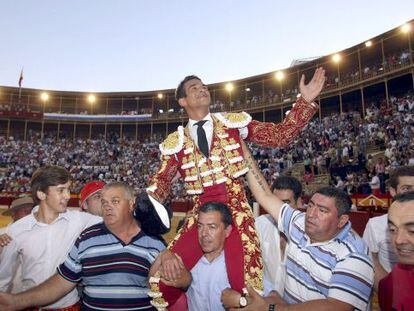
(21, 78)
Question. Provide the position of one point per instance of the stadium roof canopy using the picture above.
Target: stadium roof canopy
(301, 61)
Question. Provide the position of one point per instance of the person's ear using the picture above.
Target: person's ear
(131, 205)
(41, 195)
(299, 203)
(182, 102)
(343, 219)
(393, 192)
(228, 230)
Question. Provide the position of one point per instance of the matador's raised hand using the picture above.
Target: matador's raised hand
(311, 90)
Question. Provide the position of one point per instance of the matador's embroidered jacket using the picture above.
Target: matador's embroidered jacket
(217, 178)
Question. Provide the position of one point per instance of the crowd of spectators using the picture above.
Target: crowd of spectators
(336, 145)
(97, 159)
(344, 146)
(254, 99)
(16, 107)
(19, 107)
(288, 93)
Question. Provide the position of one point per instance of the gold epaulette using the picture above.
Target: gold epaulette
(234, 119)
(173, 143)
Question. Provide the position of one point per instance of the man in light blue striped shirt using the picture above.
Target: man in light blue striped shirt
(328, 266)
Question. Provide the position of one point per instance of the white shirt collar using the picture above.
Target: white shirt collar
(191, 122)
(205, 261)
(34, 220)
(208, 128)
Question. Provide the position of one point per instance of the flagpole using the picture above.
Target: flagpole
(20, 86)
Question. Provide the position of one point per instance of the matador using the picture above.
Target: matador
(209, 158)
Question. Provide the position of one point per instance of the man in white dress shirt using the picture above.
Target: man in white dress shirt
(208, 278)
(41, 240)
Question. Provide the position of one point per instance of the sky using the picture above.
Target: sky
(137, 45)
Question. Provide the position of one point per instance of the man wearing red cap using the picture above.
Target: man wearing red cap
(90, 197)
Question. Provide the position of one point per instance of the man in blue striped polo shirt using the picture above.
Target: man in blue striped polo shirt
(328, 266)
(112, 259)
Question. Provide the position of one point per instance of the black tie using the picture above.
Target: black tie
(201, 137)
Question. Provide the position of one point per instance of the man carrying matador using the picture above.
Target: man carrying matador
(207, 154)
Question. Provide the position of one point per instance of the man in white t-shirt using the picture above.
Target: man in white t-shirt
(376, 231)
(375, 185)
(272, 243)
(339, 183)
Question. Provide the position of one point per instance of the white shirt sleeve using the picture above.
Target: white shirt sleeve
(161, 211)
(8, 260)
(3, 231)
(93, 220)
(244, 132)
(369, 237)
(87, 220)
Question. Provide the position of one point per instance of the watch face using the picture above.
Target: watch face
(243, 301)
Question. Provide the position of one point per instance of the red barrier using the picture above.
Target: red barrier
(21, 114)
(359, 220)
(181, 206)
(370, 201)
(6, 200)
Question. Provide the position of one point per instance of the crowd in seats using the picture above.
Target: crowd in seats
(19, 107)
(129, 161)
(336, 145)
(268, 97)
(96, 159)
(16, 107)
(122, 113)
(385, 130)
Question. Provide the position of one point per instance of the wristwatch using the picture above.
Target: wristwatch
(272, 307)
(243, 301)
